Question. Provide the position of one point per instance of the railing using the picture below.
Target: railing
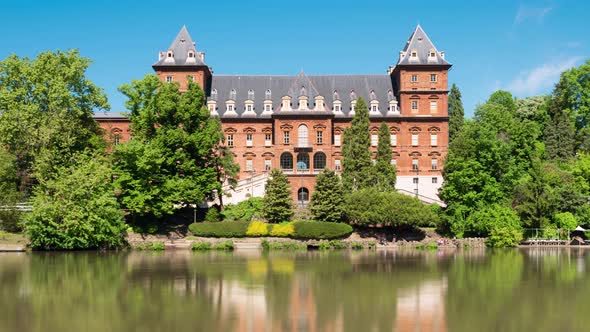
(287, 171)
(303, 171)
(22, 207)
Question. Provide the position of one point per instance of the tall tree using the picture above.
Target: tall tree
(327, 200)
(46, 112)
(356, 153)
(560, 140)
(456, 112)
(225, 166)
(277, 203)
(171, 160)
(385, 172)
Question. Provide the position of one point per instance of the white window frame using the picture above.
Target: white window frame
(267, 164)
(414, 105)
(319, 138)
(267, 139)
(302, 136)
(414, 78)
(434, 180)
(433, 78)
(433, 106)
(415, 164)
(248, 139)
(337, 139)
(415, 139)
(374, 139)
(169, 79)
(434, 164)
(249, 165)
(286, 137)
(393, 138)
(230, 140)
(433, 139)
(337, 165)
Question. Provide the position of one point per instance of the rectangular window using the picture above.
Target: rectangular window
(434, 164)
(248, 139)
(393, 162)
(267, 107)
(267, 164)
(230, 108)
(337, 139)
(249, 167)
(169, 79)
(374, 139)
(249, 108)
(433, 106)
(434, 180)
(414, 164)
(433, 139)
(286, 138)
(414, 105)
(320, 137)
(337, 165)
(230, 140)
(415, 180)
(267, 139)
(374, 108)
(337, 108)
(414, 139)
(414, 78)
(393, 138)
(433, 77)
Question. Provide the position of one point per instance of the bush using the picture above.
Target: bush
(283, 245)
(244, 210)
(324, 245)
(566, 220)
(357, 246)
(372, 207)
(282, 230)
(225, 245)
(372, 245)
(504, 236)
(201, 246)
(212, 215)
(257, 228)
(482, 221)
(427, 246)
(320, 230)
(337, 244)
(219, 229)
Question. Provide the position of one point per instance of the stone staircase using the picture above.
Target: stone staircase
(247, 243)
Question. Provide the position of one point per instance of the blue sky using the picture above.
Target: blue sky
(513, 45)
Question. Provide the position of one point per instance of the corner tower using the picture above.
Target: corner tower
(421, 77)
(181, 62)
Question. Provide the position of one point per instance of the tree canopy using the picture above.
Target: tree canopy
(356, 153)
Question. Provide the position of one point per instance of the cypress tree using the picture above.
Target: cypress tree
(277, 204)
(327, 201)
(385, 172)
(560, 138)
(456, 112)
(356, 154)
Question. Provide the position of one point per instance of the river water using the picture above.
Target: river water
(404, 290)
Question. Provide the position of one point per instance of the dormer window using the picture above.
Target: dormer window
(267, 108)
(336, 95)
(251, 94)
(169, 79)
(214, 94)
(191, 54)
(389, 95)
(230, 107)
(414, 54)
(170, 54)
(249, 108)
(232, 94)
(352, 95)
(432, 54)
(268, 94)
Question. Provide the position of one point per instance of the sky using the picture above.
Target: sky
(519, 46)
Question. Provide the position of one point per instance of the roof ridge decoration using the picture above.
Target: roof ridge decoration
(419, 50)
(181, 52)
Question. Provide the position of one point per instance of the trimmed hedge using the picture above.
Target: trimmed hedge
(220, 229)
(320, 230)
(257, 228)
(282, 230)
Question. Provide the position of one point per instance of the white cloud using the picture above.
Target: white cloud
(535, 13)
(542, 78)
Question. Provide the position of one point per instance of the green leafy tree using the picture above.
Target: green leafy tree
(226, 168)
(77, 209)
(47, 106)
(384, 176)
(244, 210)
(327, 200)
(278, 203)
(171, 161)
(456, 112)
(534, 109)
(566, 220)
(10, 217)
(560, 141)
(356, 153)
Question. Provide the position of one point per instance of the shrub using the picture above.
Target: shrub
(278, 204)
(504, 236)
(372, 245)
(320, 230)
(201, 246)
(357, 246)
(337, 244)
(324, 245)
(482, 221)
(427, 246)
(212, 215)
(225, 245)
(566, 220)
(219, 229)
(158, 246)
(282, 230)
(283, 245)
(244, 210)
(257, 228)
(372, 207)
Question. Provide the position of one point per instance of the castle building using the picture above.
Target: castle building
(296, 123)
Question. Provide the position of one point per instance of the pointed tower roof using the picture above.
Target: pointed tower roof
(418, 51)
(302, 85)
(183, 51)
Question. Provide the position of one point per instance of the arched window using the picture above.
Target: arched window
(214, 94)
(389, 95)
(251, 94)
(336, 95)
(268, 94)
(302, 161)
(302, 136)
(372, 95)
(303, 194)
(287, 161)
(352, 95)
(319, 160)
(232, 94)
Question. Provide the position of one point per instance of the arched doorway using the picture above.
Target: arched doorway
(303, 196)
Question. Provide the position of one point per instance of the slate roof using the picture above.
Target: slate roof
(342, 87)
(182, 44)
(420, 43)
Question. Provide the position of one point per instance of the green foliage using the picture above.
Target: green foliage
(456, 113)
(371, 207)
(77, 209)
(327, 200)
(225, 245)
(320, 230)
(504, 235)
(257, 228)
(282, 230)
(337, 244)
(560, 138)
(356, 153)
(219, 229)
(169, 163)
(47, 109)
(283, 245)
(324, 245)
(566, 220)
(482, 221)
(201, 246)
(213, 215)
(10, 217)
(383, 172)
(244, 210)
(427, 246)
(278, 204)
